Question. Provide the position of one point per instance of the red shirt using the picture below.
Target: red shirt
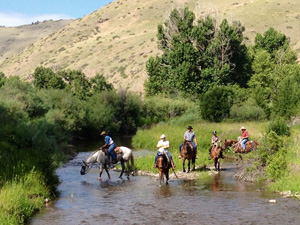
(245, 134)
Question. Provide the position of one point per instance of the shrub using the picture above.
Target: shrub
(280, 127)
(215, 104)
(248, 110)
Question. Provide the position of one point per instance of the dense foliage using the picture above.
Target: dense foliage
(200, 56)
(197, 55)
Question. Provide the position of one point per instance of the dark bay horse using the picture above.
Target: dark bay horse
(216, 156)
(163, 167)
(187, 152)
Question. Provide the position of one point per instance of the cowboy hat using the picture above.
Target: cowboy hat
(103, 133)
(243, 128)
(189, 127)
(162, 136)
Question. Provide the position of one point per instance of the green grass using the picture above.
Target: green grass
(148, 138)
(20, 198)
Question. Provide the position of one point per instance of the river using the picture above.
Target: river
(140, 200)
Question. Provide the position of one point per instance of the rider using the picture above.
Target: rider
(214, 141)
(245, 137)
(163, 146)
(190, 136)
(110, 144)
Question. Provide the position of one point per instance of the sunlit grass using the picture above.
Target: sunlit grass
(19, 199)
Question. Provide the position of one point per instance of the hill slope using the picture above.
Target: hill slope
(15, 39)
(117, 40)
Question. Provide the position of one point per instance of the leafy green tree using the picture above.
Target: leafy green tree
(46, 78)
(271, 41)
(196, 56)
(99, 84)
(215, 104)
(77, 83)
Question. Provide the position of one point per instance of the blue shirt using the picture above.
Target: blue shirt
(108, 140)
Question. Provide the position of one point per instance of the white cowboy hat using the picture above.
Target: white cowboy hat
(162, 136)
(243, 128)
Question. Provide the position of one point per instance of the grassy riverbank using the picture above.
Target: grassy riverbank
(282, 165)
(174, 130)
(20, 198)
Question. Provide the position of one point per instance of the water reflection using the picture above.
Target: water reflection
(164, 191)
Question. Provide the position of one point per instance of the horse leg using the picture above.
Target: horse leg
(167, 176)
(123, 168)
(215, 164)
(105, 167)
(241, 159)
(219, 164)
(100, 172)
(183, 165)
(128, 169)
(194, 164)
(189, 166)
(161, 176)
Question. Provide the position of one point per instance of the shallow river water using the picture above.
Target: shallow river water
(140, 200)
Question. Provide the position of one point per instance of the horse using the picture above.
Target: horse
(187, 152)
(124, 154)
(216, 156)
(237, 146)
(163, 166)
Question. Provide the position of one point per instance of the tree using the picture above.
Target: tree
(46, 78)
(215, 104)
(77, 83)
(99, 84)
(196, 56)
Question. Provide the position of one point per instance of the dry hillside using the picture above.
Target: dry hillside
(117, 40)
(15, 39)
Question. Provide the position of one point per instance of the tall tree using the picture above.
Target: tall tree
(196, 56)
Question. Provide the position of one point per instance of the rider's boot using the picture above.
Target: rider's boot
(179, 157)
(114, 161)
(221, 155)
(196, 157)
(209, 158)
(154, 166)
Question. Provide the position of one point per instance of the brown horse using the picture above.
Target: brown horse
(187, 152)
(237, 146)
(216, 156)
(163, 167)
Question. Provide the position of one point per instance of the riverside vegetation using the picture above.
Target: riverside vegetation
(206, 75)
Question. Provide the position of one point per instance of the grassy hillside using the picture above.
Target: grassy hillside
(117, 40)
(15, 39)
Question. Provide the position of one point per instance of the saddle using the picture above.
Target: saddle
(117, 150)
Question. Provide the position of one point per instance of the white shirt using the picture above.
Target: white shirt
(164, 145)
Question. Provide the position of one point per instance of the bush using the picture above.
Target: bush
(248, 110)
(280, 127)
(215, 104)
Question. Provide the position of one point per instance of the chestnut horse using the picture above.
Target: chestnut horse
(216, 156)
(187, 152)
(250, 146)
(163, 167)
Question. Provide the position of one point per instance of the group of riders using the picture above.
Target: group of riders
(163, 144)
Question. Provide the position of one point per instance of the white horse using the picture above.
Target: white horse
(123, 155)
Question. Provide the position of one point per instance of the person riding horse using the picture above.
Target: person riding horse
(190, 136)
(245, 137)
(214, 141)
(163, 146)
(109, 143)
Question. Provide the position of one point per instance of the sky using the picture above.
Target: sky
(21, 12)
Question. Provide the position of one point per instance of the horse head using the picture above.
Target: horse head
(84, 168)
(187, 148)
